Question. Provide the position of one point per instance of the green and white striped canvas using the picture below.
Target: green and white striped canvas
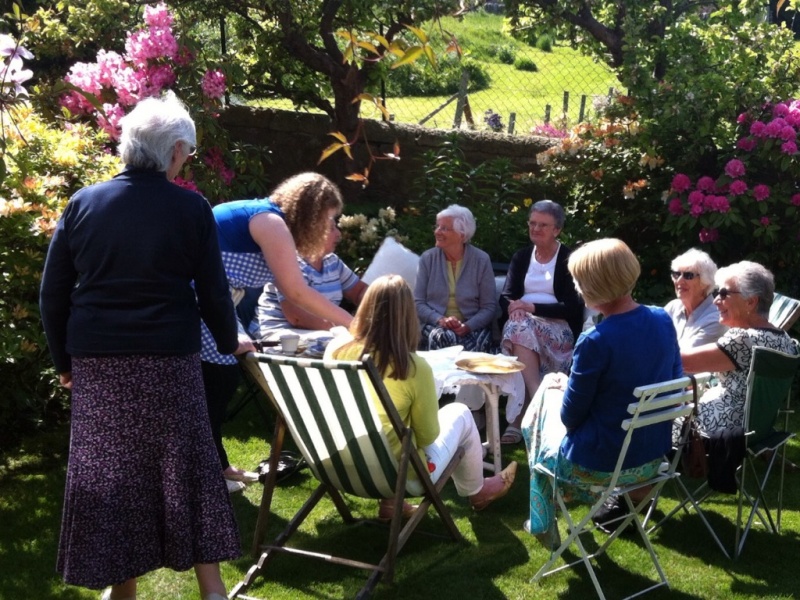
(331, 414)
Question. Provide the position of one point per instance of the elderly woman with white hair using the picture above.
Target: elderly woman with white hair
(744, 294)
(693, 311)
(455, 291)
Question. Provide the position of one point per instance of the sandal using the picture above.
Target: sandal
(512, 435)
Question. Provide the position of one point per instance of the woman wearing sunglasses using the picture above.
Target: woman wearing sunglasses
(693, 311)
(743, 297)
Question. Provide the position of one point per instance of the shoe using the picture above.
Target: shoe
(386, 510)
(511, 436)
(550, 539)
(610, 516)
(505, 478)
(234, 486)
(234, 474)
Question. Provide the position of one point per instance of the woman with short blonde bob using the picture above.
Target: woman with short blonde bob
(386, 328)
(573, 422)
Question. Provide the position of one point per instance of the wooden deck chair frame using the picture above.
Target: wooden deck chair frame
(657, 403)
(329, 410)
(784, 311)
(769, 392)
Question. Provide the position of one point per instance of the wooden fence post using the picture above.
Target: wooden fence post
(512, 119)
(462, 96)
(582, 111)
(547, 113)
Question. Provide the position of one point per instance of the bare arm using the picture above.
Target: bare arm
(273, 237)
(297, 317)
(706, 358)
(356, 293)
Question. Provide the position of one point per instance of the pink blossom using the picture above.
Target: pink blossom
(681, 183)
(774, 127)
(708, 235)
(158, 15)
(127, 84)
(738, 187)
(793, 118)
(227, 175)
(734, 168)
(108, 65)
(110, 122)
(189, 185)
(765, 221)
(696, 198)
(157, 42)
(789, 148)
(780, 110)
(696, 210)
(717, 203)
(742, 118)
(747, 144)
(213, 84)
(676, 206)
(796, 200)
(757, 129)
(761, 192)
(787, 133)
(706, 184)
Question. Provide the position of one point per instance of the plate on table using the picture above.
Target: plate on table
(490, 365)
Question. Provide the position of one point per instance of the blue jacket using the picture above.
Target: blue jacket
(118, 274)
(621, 352)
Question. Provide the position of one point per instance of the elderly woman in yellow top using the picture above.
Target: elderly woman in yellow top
(693, 312)
(455, 291)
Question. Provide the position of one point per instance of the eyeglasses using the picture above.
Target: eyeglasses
(687, 275)
(442, 228)
(723, 293)
(192, 150)
(538, 225)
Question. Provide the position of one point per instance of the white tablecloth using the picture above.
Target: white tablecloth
(449, 378)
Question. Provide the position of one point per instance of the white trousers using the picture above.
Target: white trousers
(457, 430)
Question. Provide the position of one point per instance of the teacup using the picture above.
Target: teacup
(289, 343)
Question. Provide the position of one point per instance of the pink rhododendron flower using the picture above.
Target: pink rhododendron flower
(734, 168)
(110, 122)
(696, 210)
(757, 129)
(676, 206)
(213, 84)
(717, 203)
(789, 148)
(742, 118)
(189, 185)
(706, 184)
(696, 198)
(708, 235)
(765, 221)
(796, 200)
(787, 133)
(737, 188)
(761, 192)
(747, 144)
(780, 110)
(681, 183)
(158, 15)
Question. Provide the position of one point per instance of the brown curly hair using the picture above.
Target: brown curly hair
(305, 200)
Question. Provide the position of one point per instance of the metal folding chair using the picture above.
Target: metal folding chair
(331, 410)
(769, 386)
(658, 403)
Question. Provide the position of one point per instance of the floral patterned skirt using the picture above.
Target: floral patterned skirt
(551, 339)
(144, 485)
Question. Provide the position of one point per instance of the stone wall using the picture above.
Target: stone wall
(296, 141)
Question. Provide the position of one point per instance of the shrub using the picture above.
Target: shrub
(419, 79)
(496, 193)
(46, 165)
(523, 63)
(362, 236)
(506, 55)
(545, 43)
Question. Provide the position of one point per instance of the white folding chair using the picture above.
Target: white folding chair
(658, 403)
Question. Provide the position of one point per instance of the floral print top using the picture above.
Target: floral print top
(722, 406)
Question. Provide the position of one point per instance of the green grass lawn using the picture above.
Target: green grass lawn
(512, 91)
(497, 561)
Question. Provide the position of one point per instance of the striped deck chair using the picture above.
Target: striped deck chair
(329, 409)
(784, 311)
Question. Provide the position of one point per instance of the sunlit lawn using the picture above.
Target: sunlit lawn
(497, 561)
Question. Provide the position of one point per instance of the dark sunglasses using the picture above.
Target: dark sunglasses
(723, 293)
(687, 275)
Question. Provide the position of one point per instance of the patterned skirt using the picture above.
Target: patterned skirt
(144, 485)
(435, 338)
(543, 432)
(551, 339)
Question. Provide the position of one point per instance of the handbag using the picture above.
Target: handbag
(694, 461)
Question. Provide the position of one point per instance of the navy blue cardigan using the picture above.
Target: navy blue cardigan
(119, 272)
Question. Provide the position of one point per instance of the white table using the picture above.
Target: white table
(449, 379)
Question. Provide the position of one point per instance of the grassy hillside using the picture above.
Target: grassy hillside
(511, 90)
